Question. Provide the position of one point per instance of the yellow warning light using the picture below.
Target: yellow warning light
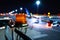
(48, 13)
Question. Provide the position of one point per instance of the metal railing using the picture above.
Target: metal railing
(20, 34)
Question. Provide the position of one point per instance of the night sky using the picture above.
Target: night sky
(46, 5)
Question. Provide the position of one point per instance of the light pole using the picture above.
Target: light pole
(37, 3)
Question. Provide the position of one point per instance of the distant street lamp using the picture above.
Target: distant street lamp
(37, 3)
(16, 10)
(21, 9)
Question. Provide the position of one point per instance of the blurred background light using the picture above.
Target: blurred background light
(21, 8)
(37, 2)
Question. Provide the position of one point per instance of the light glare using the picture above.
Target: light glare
(16, 10)
(38, 2)
(21, 8)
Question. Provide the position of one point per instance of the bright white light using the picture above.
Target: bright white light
(12, 25)
(38, 2)
(16, 10)
(21, 8)
(13, 11)
(33, 20)
(6, 18)
(9, 12)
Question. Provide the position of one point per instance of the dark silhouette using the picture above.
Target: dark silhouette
(25, 37)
